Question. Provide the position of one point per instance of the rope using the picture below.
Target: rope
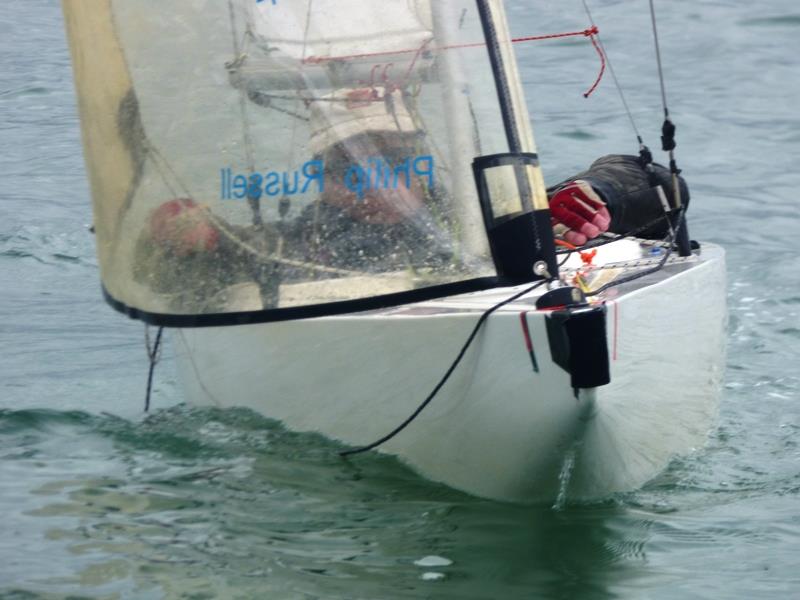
(153, 355)
(253, 201)
(446, 376)
(223, 227)
(591, 32)
(613, 75)
(533, 38)
(611, 238)
(516, 296)
(668, 144)
(658, 59)
(668, 128)
(646, 272)
(602, 56)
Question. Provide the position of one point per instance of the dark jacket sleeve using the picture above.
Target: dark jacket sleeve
(630, 192)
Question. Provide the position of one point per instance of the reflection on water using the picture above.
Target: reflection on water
(212, 502)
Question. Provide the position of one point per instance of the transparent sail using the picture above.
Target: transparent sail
(257, 155)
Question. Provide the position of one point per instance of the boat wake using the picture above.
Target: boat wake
(565, 476)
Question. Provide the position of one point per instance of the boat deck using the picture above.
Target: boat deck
(612, 261)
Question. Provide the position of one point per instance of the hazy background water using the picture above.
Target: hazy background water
(99, 502)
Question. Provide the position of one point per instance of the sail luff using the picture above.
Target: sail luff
(100, 86)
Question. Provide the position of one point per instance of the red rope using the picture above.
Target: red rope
(590, 33)
(602, 63)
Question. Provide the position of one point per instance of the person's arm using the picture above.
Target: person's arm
(627, 194)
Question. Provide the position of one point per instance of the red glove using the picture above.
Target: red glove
(578, 214)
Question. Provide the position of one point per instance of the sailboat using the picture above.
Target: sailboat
(341, 216)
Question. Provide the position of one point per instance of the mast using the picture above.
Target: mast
(518, 129)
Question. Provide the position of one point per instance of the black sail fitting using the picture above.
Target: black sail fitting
(520, 236)
(578, 344)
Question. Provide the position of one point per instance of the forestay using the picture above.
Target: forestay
(281, 158)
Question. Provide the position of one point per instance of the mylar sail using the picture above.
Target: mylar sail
(266, 159)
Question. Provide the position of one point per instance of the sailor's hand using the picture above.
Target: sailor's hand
(578, 214)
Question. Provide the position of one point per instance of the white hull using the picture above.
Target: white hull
(497, 428)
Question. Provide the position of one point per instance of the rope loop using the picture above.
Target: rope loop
(593, 37)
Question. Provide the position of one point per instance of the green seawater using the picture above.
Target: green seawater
(99, 500)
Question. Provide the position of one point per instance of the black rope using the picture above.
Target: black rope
(265, 101)
(446, 376)
(488, 312)
(152, 355)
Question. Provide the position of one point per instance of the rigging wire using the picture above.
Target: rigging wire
(655, 269)
(443, 380)
(165, 171)
(668, 132)
(591, 33)
(530, 38)
(674, 232)
(610, 238)
(645, 156)
(617, 84)
(658, 59)
(668, 128)
(153, 355)
(668, 145)
(254, 202)
(293, 142)
(485, 315)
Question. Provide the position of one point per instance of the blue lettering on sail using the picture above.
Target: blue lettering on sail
(379, 174)
(309, 178)
(374, 173)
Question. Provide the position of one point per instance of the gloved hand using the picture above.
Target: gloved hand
(578, 214)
